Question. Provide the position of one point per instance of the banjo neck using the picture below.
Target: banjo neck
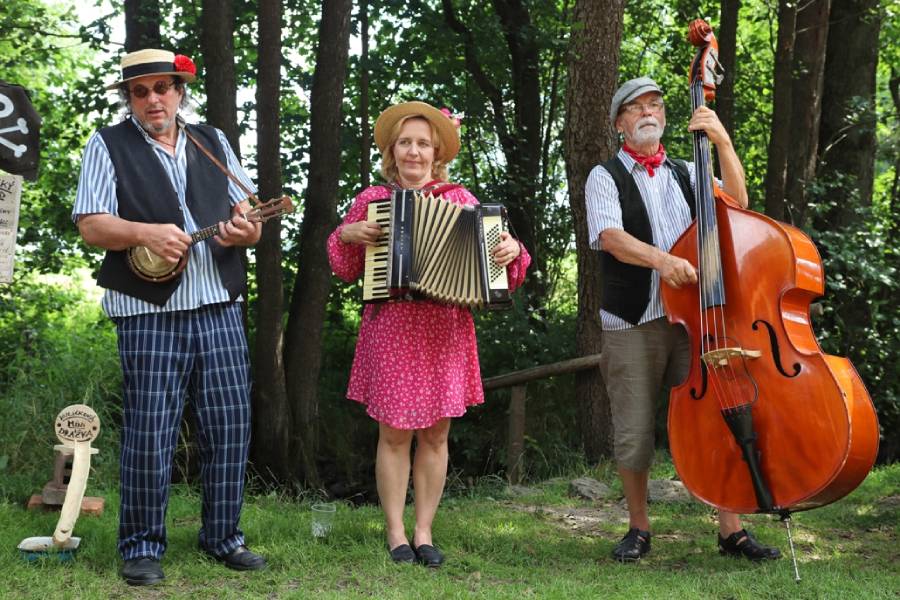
(147, 265)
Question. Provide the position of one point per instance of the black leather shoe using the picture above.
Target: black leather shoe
(633, 546)
(743, 544)
(241, 559)
(142, 571)
(429, 556)
(402, 554)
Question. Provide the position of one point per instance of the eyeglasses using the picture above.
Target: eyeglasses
(160, 88)
(636, 108)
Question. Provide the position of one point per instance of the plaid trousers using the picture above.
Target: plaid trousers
(202, 355)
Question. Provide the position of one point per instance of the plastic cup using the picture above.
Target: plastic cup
(322, 519)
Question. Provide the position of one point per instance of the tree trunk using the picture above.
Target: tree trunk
(365, 131)
(589, 140)
(894, 230)
(780, 135)
(521, 142)
(806, 98)
(727, 37)
(847, 142)
(847, 132)
(304, 336)
(272, 425)
(142, 25)
(217, 45)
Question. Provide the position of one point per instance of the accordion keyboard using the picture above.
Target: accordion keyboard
(376, 267)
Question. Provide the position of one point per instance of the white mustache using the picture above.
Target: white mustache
(647, 129)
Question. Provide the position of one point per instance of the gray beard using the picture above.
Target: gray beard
(161, 128)
(646, 135)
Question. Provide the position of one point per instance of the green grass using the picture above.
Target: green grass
(496, 546)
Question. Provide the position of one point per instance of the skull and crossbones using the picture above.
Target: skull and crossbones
(6, 109)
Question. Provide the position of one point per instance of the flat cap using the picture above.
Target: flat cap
(627, 92)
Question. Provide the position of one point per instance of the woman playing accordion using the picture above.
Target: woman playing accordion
(416, 361)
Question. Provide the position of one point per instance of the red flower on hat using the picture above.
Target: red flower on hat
(184, 64)
(457, 120)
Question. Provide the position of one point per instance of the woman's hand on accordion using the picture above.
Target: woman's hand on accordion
(365, 233)
(506, 251)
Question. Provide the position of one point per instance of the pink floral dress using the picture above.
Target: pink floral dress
(416, 362)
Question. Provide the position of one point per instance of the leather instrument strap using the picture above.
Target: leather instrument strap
(223, 168)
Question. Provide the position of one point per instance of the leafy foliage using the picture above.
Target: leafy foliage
(413, 55)
(57, 349)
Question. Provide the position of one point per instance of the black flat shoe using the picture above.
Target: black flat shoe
(142, 571)
(743, 544)
(242, 559)
(429, 556)
(402, 554)
(633, 546)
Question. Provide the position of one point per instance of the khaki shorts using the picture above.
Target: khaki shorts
(638, 364)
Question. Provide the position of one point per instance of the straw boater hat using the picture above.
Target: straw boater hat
(444, 122)
(155, 62)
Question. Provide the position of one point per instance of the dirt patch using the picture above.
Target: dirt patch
(889, 503)
(578, 520)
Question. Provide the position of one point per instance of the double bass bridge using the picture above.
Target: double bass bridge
(720, 356)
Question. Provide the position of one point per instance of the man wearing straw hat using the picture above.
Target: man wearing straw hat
(147, 181)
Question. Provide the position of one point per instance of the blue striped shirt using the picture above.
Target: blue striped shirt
(666, 207)
(200, 282)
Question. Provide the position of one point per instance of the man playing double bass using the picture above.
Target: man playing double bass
(638, 204)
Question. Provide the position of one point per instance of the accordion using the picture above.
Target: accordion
(436, 248)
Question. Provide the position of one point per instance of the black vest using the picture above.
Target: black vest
(625, 289)
(146, 195)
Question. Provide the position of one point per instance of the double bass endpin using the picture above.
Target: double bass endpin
(786, 519)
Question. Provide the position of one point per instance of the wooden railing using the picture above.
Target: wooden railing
(517, 380)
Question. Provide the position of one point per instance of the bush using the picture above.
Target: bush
(57, 348)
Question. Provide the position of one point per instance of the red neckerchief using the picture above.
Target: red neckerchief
(649, 162)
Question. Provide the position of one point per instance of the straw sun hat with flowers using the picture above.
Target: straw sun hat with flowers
(155, 62)
(444, 123)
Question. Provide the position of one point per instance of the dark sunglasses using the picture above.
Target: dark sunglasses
(160, 88)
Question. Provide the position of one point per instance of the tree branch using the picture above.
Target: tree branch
(486, 86)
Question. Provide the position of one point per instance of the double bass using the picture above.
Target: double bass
(765, 421)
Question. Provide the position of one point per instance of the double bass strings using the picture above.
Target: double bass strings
(711, 281)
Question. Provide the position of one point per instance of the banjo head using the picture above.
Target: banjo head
(77, 423)
(152, 267)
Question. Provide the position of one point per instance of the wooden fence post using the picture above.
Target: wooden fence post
(515, 452)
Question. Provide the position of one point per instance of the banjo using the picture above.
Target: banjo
(150, 266)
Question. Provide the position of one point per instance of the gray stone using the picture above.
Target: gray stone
(587, 487)
(517, 491)
(666, 490)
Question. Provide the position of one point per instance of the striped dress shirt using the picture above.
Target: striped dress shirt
(200, 281)
(666, 207)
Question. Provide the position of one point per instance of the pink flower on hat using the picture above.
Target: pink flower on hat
(184, 64)
(457, 121)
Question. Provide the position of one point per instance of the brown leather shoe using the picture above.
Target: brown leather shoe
(743, 544)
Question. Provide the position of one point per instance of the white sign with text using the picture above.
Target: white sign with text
(10, 193)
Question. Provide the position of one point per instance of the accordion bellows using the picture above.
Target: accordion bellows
(436, 248)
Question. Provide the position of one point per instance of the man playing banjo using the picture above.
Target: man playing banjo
(145, 182)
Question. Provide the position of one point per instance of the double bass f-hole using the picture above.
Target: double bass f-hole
(776, 349)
